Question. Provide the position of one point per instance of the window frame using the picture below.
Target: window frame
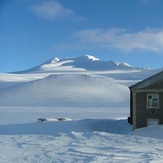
(148, 105)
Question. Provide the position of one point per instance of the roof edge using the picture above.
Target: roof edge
(146, 81)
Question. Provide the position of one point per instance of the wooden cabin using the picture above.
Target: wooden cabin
(146, 102)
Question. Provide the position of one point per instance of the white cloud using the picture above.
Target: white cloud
(51, 10)
(150, 39)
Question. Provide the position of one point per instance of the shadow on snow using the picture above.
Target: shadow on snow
(55, 128)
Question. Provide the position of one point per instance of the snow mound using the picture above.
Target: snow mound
(56, 127)
(66, 90)
(153, 131)
(111, 126)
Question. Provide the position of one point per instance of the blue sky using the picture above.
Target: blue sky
(33, 31)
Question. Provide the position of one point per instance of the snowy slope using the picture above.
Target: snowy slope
(66, 90)
(87, 140)
(80, 81)
(93, 95)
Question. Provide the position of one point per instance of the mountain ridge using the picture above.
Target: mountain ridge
(81, 63)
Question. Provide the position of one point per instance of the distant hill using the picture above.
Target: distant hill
(66, 90)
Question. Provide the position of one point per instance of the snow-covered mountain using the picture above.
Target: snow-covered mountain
(93, 95)
(82, 63)
(80, 81)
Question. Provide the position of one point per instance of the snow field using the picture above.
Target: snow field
(97, 102)
(80, 140)
(87, 140)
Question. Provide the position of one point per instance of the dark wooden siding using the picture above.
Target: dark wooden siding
(157, 85)
(139, 113)
(143, 113)
(161, 107)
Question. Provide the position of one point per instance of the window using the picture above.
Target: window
(152, 101)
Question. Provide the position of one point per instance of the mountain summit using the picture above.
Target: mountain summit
(81, 63)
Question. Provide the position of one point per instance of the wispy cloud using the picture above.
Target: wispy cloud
(51, 10)
(150, 39)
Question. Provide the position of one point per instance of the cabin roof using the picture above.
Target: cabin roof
(151, 80)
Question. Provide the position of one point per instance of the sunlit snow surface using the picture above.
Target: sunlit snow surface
(91, 136)
(95, 105)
